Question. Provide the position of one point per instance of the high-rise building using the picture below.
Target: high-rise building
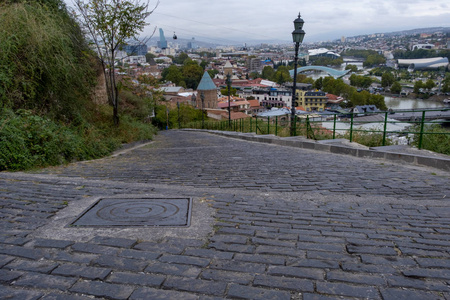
(253, 64)
(162, 43)
(192, 44)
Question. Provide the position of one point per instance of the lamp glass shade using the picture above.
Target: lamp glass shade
(298, 35)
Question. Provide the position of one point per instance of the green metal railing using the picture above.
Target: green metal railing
(313, 128)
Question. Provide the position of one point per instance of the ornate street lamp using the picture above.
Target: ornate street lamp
(297, 36)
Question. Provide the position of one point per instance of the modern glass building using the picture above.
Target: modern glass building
(162, 43)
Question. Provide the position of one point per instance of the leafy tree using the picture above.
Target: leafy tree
(378, 101)
(359, 53)
(111, 24)
(446, 84)
(360, 81)
(282, 75)
(326, 61)
(352, 68)
(396, 88)
(366, 98)
(418, 85)
(203, 64)
(374, 60)
(268, 72)
(192, 74)
(429, 84)
(387, 79)
(306, 80)
(336, 87)
(173, 74)
(318, 83)
(180, 58)
(359, 98)
(212, 73)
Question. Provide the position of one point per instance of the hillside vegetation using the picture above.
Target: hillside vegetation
(47, 78)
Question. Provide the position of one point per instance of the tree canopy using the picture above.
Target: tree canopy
(112, 24)
(374, 60)
(387, 79)
(360, 81)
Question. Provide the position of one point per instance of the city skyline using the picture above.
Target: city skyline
(233, 22)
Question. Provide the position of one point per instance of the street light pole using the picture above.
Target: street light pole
(229, 103)
(297, 36)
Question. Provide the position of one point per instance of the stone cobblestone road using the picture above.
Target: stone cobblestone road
(268, 222)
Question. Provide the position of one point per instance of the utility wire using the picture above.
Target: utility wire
(214, 25)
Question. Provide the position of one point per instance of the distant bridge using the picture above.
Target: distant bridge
(329, 71)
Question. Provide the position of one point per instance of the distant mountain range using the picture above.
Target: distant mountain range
(183, 42)
(413, 31)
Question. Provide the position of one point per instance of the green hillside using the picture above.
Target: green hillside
(48, 75)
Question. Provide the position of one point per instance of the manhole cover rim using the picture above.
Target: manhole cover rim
(87, 213)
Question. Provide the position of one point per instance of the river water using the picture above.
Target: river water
(391, 102)
(406, 103)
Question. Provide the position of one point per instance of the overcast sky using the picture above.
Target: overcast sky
(238, 21)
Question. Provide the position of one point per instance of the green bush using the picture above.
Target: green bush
(27, 141)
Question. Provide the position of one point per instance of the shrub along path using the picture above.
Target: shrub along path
(268, 222)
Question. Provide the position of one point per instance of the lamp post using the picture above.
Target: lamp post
(229, 103)
(297, 36)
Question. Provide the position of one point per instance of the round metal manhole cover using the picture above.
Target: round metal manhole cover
(137, 212)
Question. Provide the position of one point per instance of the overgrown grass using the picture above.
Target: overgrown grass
(368, 139)
(45, 64)
(436, 139)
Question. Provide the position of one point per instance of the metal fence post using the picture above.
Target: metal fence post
(334, 127)
(384, 129)
(276, 126)
(268, 125)
(351, 128)
(422, 122)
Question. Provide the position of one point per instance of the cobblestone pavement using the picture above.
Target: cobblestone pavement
(268, 222)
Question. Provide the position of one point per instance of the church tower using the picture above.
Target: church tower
(209, 90)
(228, 68)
